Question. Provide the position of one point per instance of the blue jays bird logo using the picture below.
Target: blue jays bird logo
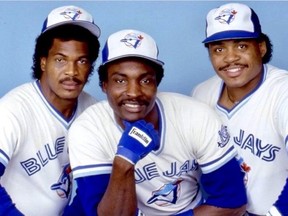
(224, 136)
(71, 13)
(168, 194)
(63, 186)
(226, 16)
(132, 40)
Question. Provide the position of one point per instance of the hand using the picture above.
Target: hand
(138, 139)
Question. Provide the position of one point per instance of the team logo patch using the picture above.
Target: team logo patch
(226, 16)
(168, 194)
(141, 136)
(224, 136)
(71, 13)
(63, 186)
(132, 40)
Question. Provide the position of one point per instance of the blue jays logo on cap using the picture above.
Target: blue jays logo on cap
(71, 13)
(232, 21)
(130, 43)
(133, 40)
(226, 16)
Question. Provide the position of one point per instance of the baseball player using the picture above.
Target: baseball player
(35, 116)
(251, 97)
(146, 153)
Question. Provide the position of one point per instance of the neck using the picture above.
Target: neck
(231, 98)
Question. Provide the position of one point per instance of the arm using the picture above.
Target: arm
(138, 140)
(115, 194)
(226, 192)
(7, 207)
(121, 190)
(281, 205)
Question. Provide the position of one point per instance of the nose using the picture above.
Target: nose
(71, 69)
(231, 56)
(133, 89)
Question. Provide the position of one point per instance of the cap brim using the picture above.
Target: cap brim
(93, 28)
(227, 35)
(136, 56)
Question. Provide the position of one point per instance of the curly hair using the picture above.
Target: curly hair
(268, 55)
(103, 76)
(44, 42)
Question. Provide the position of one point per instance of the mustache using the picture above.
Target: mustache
(229, 65)
(74, 79)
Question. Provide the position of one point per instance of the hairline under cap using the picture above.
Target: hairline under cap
(230, 35)
(133, 56)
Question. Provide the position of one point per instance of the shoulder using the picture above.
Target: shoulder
(208, 91)
(96, 113)
(183, 105)
(20, 98)
(85, 100)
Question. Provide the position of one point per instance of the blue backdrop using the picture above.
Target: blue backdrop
(177, 26)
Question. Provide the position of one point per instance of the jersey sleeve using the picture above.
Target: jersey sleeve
(89, 193)
(282, 203)
(225, 186)
(212, 144)
(90, 149)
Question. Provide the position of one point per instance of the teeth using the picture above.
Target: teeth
(132, 105)
(233, 69)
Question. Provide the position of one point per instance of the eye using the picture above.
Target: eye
(218, 50)
(242, 46)
(145, 81)
(83, 61)
(120, 81)
(59, 60)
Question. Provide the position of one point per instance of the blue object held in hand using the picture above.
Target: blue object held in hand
(138, 139)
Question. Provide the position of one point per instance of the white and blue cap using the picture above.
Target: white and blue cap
(70, 15)
(130, 43)
(232, 21)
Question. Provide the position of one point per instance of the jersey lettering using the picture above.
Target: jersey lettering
(150, 171)
(255, 146)
(34, 164)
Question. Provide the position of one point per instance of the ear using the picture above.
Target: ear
(104, 87)
(43, 63)
(262, 48)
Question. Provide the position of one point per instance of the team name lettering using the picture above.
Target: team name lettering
(150, 171)
(266, 152)
(34, 164)
(140, 136)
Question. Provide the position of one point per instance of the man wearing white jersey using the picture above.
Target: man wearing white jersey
(251, 97)
(143, 152)
(35, 117)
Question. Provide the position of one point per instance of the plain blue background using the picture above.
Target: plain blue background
(177, 26)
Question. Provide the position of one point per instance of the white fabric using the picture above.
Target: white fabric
(192, 140)
(33, 149)
(259, 128)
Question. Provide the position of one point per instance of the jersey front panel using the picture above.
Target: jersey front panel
(166, 179)
(259, 128)
(34, 151)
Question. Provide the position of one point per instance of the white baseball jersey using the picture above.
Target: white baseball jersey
(167, 180)
(33, 150)
(259, 128)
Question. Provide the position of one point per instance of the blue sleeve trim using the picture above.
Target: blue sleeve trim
(89, 193)
(225, 186)
(2, 169)
(7, 207)
(282, 202)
